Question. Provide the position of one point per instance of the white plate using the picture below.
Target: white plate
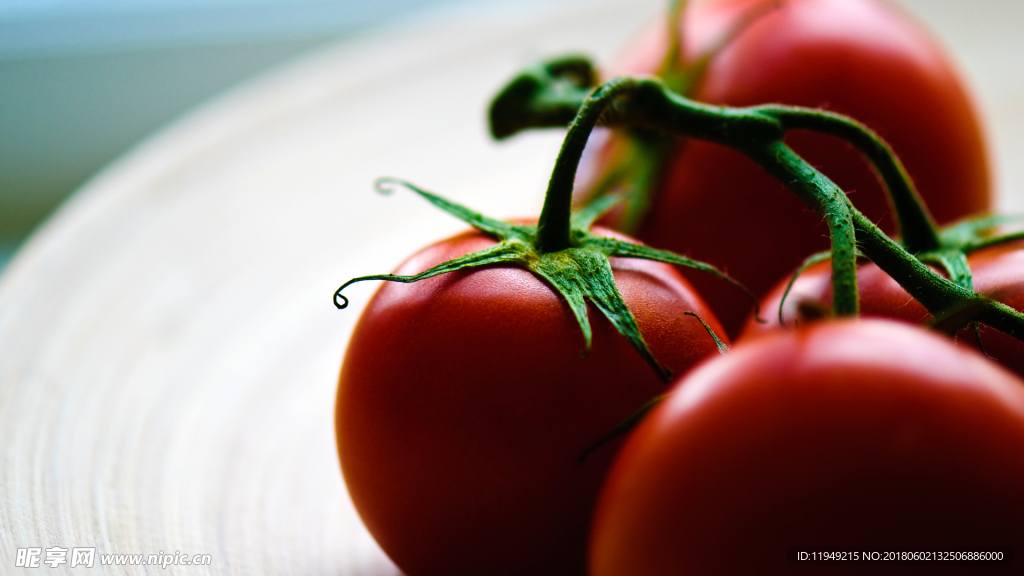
(168, 344)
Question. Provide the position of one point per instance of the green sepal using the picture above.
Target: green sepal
(496, 228)
(580, 273)
(957, 242)
(954, 262)
(722, 346)
(511, 251)
(635, 418)
(624, 427)
(615, 247)
(975, 230)
(993, 241)
(978, 233)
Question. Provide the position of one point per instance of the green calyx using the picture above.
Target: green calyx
(580, 273)
(560, 249)
(954, 244)
(947, 250)
(960, 240)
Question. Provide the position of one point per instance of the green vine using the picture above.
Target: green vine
(758, 133)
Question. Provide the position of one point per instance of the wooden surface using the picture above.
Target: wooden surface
(168, 345)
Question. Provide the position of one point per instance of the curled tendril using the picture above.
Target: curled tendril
(344, 301)
(387, 184)
(807, 263)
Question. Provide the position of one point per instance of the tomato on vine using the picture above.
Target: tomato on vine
(430, 420)
(463, 407)
(839, 412)
(476, 378)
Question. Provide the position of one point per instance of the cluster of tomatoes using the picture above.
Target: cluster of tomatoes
(465, 404)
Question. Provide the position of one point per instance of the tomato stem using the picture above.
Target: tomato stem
(758, 132)
(824, 197)
(547, 94)
(915, 223)
(553, 227)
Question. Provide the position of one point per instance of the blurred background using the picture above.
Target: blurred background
(82, 81)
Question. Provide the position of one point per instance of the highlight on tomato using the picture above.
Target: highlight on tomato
(850, 433)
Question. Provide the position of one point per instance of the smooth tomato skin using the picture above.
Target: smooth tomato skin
(998, 273)
(844, 433)
(862, 58)
(464, 404)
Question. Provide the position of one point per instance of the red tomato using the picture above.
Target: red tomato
(861, 58)
(851, 433)
(464, 404)
(998, 273)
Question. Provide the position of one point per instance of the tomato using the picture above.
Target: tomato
(464, 405)
(861, 58)
(998, 273)
(860, 433)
